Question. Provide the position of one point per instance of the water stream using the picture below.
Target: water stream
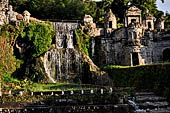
(148, 102)
(64, 63)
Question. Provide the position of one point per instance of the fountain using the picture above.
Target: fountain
(66, 64)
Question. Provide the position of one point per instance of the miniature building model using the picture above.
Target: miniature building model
(110, 24)
(160, 23)
(134, 44)
(133, 14)
(148, 21)
(110, 20)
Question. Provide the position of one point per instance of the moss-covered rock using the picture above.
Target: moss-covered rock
(71, 65)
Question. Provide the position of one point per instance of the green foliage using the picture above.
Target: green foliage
(115, 66)
(76, 9)
(7, 79)
(91, 8)
(123, 5)
(10, 83)
(54, 9)
(60, 9)
(154, 77)
(55, 87)
(38, 36)
(119, 25)
(38, 39)
(8, 61)
(32, 70)
(167, 20)
(82, 41)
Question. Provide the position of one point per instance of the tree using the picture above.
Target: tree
(8, 62)
(76, 9)
(167, 20)
(120, 6)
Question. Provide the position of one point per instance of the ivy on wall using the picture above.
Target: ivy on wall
(38, 39)
(38, 36)
(8, 62)
(82, 41)
(35, 36)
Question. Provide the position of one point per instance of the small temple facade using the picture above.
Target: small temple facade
(138, 42)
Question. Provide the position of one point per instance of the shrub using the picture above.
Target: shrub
(38, 36)
(82, 41)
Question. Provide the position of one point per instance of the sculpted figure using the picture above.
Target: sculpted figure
(2, 18)
(12, 16)
(26, 16)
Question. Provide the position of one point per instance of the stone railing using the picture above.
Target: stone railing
(86, 89)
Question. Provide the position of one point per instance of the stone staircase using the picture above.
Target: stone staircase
(91, 101)
(149, 102)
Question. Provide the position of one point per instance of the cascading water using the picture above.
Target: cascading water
(66, 64)
(63, 64)
(144, 102)
(64, 34)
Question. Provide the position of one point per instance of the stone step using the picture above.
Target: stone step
(144, 93)
(152, 105)
(161, 110)
(150, 98)
(70, 109)
(149, 102)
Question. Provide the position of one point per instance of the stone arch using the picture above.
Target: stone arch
(166, 55)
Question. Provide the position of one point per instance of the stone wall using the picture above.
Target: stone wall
(136, 43)
(159, 47)
(63, 63)
(119, 48)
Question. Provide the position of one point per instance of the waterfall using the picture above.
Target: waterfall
(63, 63)
(66, 64)
(48, 70)
(64, 34)
(70, 40)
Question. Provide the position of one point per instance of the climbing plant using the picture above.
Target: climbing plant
(8, 62)
(82, 41)
(38, 36)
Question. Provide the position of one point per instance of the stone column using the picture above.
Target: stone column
(131, 60)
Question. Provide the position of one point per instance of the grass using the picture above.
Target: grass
(121, 67)
(154, 77)
(116, 66)
(10, 83)
(37, 87)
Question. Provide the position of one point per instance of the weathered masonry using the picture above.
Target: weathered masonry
(138, 42)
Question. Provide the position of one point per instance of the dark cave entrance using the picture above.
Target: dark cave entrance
(135, 59)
